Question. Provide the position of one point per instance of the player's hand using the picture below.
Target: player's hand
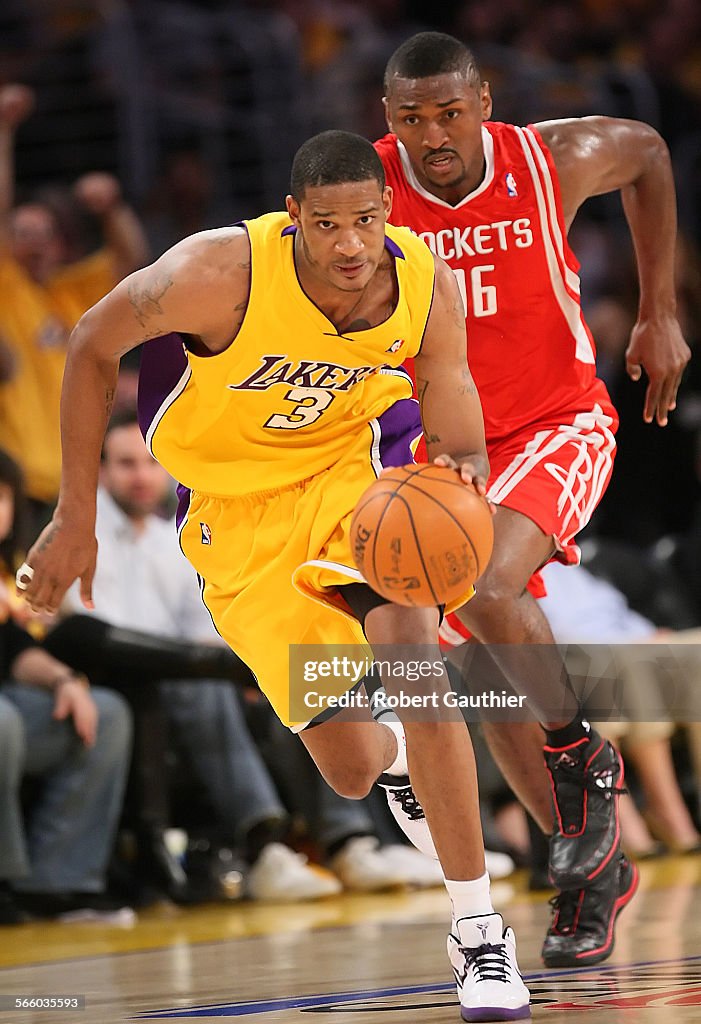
(98, 192)
(74, 700)
(61, 554)
(16, 104)
(469, 472)
(658, 347)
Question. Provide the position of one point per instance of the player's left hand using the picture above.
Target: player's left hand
(658, 347)
(469, 473)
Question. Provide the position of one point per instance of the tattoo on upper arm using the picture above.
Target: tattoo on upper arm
(109, 401)
(421, 389)
(224, 240)
(458, 312)
(146, 301)
(239, 314)
(467, 384)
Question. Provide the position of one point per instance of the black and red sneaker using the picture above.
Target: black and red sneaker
(582, 928)
(586, 779)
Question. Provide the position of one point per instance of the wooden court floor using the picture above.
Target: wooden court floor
(353, 960)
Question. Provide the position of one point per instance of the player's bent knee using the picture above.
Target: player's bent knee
(353, 781)
(493, 593)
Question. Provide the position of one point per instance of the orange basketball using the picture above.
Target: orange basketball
(420, 536)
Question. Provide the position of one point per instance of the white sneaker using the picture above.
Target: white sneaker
(408, 813)
(361, 866)
(414, 867)
(490, 987)
(282, 876)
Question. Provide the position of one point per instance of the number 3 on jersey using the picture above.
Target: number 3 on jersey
(309, 403)
(484, 296)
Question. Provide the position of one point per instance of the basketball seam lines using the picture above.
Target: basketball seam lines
(449, 513)
(416, 541)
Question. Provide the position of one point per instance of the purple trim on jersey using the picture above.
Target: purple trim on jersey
(392, 248)
(163, 362)
(390, 245)
(399, 426)
(184, 495)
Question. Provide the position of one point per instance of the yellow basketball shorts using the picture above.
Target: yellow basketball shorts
(271, 562)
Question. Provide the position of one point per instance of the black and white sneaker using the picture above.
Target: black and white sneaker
(586, 779)
(582, 928)
(408, 812)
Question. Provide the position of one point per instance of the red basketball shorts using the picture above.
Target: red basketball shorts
(556, 475)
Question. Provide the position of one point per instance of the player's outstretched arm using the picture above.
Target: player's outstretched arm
(594, 155)
(450, 407)
(194, 288)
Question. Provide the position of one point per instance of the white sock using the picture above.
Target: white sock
(400, 765)
(386, 716)
(468, 899)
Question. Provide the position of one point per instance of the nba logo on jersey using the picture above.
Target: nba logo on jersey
(396, 345)
(206, 533)
(511, 184)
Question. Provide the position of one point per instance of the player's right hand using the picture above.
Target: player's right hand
(61, 554)
(16, 104)
(470, 473)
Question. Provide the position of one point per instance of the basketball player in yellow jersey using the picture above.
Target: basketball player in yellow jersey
(271, 390)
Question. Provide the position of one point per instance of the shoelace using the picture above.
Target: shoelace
(409, 804)
(491, 961)
(587, 780)
(564, 905)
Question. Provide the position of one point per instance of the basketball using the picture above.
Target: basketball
(420, 536)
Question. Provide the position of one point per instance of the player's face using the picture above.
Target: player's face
(341, 232)
(439, 121)
(130, 474)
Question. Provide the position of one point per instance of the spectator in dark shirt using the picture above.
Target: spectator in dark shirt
(76, 741)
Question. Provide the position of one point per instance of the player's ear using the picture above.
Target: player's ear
(293, 209)
(485, 101)
(388, 119)
(387, 197)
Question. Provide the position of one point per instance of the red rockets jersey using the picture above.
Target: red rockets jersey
(530, 351)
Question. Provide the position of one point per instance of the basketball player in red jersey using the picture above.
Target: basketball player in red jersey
(496, 201)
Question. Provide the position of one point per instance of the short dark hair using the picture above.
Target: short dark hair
(431, 53)
(334, 158)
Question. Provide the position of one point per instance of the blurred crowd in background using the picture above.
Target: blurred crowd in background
(198, 108)
(192, 112)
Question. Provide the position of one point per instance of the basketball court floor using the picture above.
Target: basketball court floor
(353, 960)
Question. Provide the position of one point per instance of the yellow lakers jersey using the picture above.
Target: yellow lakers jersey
(277, 406)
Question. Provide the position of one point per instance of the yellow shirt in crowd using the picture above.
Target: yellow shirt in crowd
(35, 321)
